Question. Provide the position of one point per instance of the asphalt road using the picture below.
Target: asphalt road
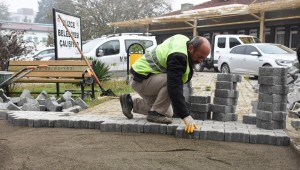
(56, 148)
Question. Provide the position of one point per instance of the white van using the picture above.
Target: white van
(221, 44)
(112, 49)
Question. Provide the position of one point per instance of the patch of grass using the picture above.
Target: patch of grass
(117, 86)
(207, 88)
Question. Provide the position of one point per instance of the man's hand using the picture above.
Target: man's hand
(190, 125)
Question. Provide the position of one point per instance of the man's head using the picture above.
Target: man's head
(198, 48)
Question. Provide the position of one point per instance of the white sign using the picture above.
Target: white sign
(64, 46)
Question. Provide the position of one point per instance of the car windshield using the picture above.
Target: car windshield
(90, 45)
(274, 49)
(249, 40)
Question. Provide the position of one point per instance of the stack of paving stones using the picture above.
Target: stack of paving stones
(272, 98)
(42, 103)
(226, 97)
(200, 107)
(209, 129)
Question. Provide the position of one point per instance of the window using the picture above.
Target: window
(144, 43)
(36, 40)
(250, 49)
(110, 47)
(253, 32)
(279, 35)
(241, 32)
(238, 50)
(293, 37)
(221, 42)
(233, 42)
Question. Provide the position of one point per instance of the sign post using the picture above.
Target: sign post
(64, 46)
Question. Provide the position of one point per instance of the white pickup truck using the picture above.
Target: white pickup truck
(221, 44)
(112, 49)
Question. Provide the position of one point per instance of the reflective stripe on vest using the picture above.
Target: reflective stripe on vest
(153, 61)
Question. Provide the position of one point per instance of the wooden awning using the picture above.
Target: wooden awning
(213, 12)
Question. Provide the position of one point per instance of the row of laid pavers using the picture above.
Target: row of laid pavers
(209, 129)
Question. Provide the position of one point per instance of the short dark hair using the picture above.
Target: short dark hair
(196, 42)
(298, 53)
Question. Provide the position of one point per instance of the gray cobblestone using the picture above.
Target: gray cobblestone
(272, 80)
(271, 106)
(226, 93)
(229, 77)
(237, 135)
(277, 89)
(225, 101)
(272, 98)
(267, 115)
(272, 71)
(199, 99)
(226, 85)
(249, 119)
(223, 108)
(200, 107)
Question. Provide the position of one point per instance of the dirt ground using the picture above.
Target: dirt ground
(55, 148)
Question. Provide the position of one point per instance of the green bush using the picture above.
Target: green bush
(101, 70)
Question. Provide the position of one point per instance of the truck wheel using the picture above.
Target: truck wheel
(225, 69)
(216, 69)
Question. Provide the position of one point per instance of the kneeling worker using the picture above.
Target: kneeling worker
(158, 77)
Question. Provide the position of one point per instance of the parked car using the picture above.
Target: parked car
(223, 43)
(247, 58)
(112, 49)
(46, 53)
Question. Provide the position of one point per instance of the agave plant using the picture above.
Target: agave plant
(101, 70)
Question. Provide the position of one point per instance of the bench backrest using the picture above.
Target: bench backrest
(56, 68)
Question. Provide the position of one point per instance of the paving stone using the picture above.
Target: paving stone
(249, 119)
(180, 133)
(129, 127)
(200, 107)
(226, 93)
(199, 99)
(270, 125)
(229, 77)
(171, 129)
(254, 106)
(295, 123)
(25, 94)
(15, 100)
(3, 97)
(81, 103)
(237, 135)
(272, 98)
(74, 109)
(199, 115)
(225, 101)
(223, 108)
(31, 107)
(62, 123)
(272, 80)
(52, 105)
(224, 117)
(226, 85)
(41, 98)
(66, 96)
(277, 89)
(150, 127)
(215, 134)
(44, 122)
(66, 105)
(20, 122)
(95, 124)
(272, 71)
(11, 106)
(108, 126)
(271, 106)
(267, 115)
(282, 139)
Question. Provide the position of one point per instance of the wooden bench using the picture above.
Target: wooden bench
(58, 71)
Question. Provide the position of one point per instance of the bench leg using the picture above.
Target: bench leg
(82, 90)
(57, 89)
(93, 90)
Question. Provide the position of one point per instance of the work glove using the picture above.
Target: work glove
(190, 125)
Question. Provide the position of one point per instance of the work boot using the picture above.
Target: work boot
(127, 105)
(156, 117)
